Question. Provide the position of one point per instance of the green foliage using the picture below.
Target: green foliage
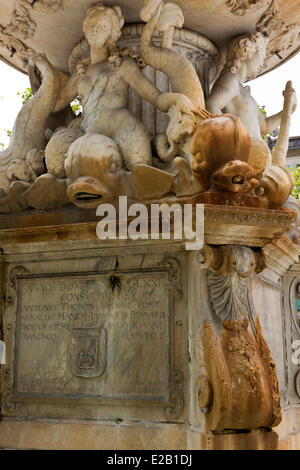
(263, 110)
(264, 113)
(25, 95)
(296, 190)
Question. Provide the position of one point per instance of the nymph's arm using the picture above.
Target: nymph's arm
(273, 122)
(136, 80)
(225, 89)
(145, 88)
(68, 91)
(65, 86)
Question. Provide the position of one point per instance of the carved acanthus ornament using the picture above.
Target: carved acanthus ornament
(22, 26)
(282, 44)
(21, 23)
(270, 20)
(242, 7)
(241, 371)
(15, 46)
(49, 6)
(282, 37)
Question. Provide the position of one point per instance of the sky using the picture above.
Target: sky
(266, 90)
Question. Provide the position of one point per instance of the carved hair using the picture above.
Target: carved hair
(242, 48)
(80, 55)
(116, 17)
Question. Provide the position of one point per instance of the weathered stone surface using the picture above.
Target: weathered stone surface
(223, 225)
(131, 337)
(200, 149)
(199, 16)
(62, 435)
(83, 292)
(93, 336)
(90, 435)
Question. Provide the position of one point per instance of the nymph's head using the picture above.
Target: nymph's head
(247, 51)
(103, 25)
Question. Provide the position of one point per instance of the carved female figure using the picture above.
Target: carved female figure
(245, 58)
(103, 88)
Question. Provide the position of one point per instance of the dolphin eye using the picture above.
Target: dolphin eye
(238, 179)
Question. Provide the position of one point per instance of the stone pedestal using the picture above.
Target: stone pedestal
(110, 344)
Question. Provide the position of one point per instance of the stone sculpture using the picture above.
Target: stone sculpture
(294, 233)
(216, 139)
(150, 334)
(180, 71)
(104, 87)
(245, 58)
(103, 90)
(241, 371)
(215, 143)
(18, 167)
(202, 149)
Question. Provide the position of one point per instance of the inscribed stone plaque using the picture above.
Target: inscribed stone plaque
(93, 336)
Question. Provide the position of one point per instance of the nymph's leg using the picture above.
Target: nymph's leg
(133, 141)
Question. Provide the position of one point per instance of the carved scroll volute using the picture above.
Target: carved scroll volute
(8, 404)
(15, 273)
(238, 362)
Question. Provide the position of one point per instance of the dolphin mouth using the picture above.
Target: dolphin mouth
(87, 196)
(88, 193)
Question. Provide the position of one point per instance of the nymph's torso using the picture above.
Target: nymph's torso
(102, 91)
(245, 107)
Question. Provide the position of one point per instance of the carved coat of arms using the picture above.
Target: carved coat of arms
(88, 351)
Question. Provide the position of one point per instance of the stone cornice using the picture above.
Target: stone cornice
(281, 254)
(224, 225)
